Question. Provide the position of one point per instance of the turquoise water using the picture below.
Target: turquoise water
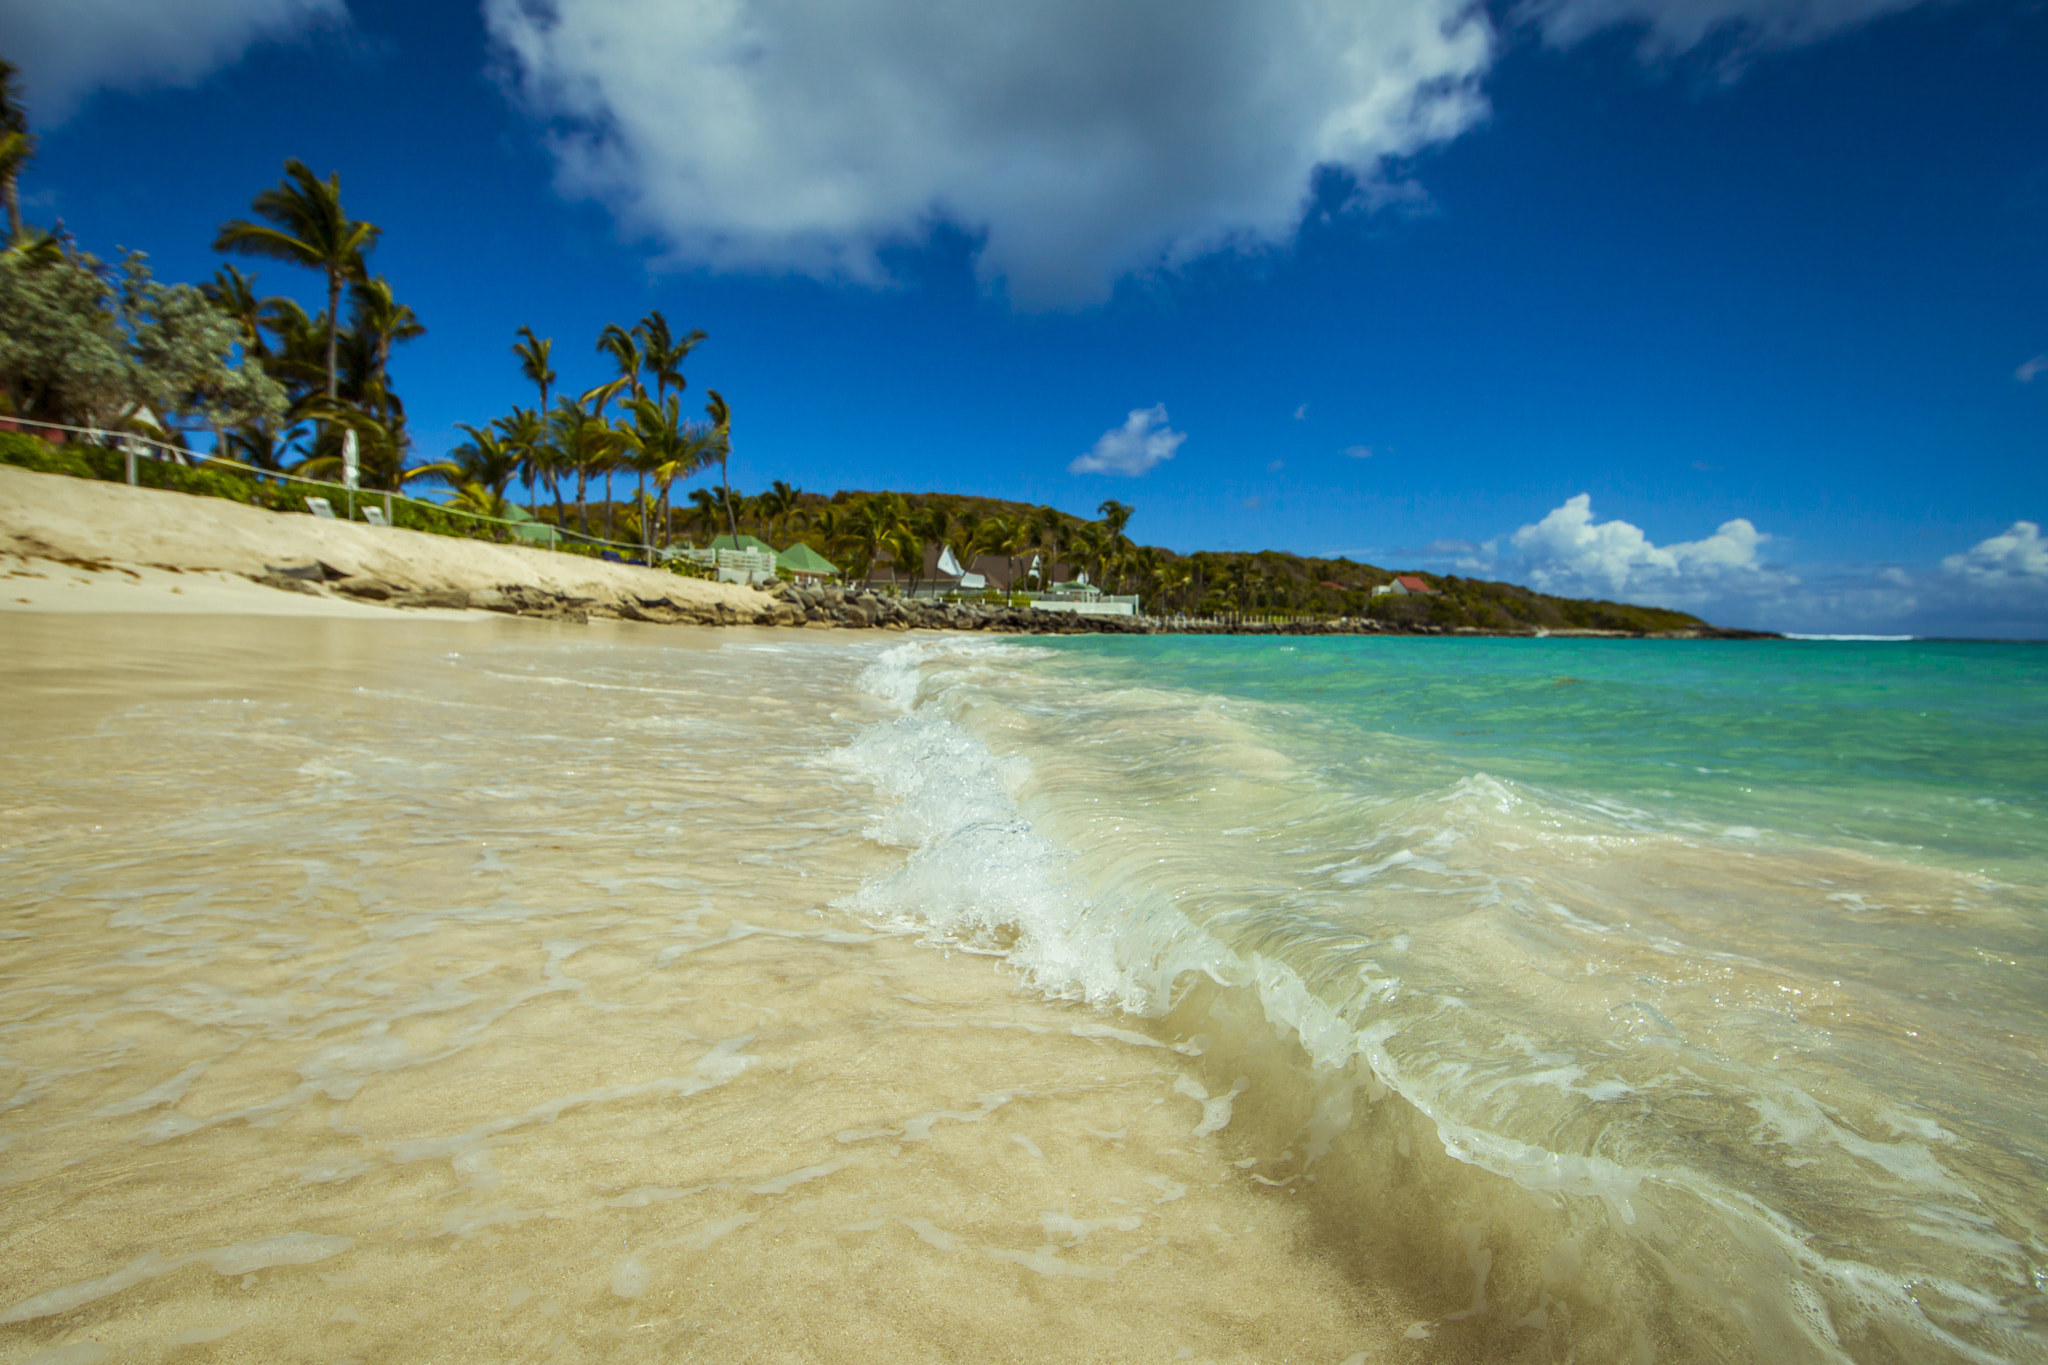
(1683, 1000)
(1939, 749)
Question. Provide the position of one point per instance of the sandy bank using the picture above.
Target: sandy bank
(146, 549)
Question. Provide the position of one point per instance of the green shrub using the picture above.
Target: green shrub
(24, 451)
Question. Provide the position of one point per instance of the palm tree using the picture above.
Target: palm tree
(777, 504)
(383, 322)
(383, 443)
(583, 441)
(525, 433)
(1049, 526)
(1115, 517)
(906, 550)
(663, 353)
(533, 353)
(17, 148)
(306, 225)
(233, 293)
(705, 501)
(483, 466)
(1086, 545)
(720, 417)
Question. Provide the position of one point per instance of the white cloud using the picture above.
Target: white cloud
(1359, 452)
(1572, 555)
(1674, 26)
(1079, 141)
(2028, 369)
(1141, 442)
(2016, 558)
(1276, 466)
(1997, 587)
(1301, 413)
(66, 49)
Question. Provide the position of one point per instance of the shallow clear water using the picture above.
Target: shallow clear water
(600, 993)
(390, 991)
(1715, 970)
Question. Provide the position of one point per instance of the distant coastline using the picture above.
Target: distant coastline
(214, 553)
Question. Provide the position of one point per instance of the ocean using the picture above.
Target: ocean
(1690, 994)
(502, 990)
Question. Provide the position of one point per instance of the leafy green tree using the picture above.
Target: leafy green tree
(183, 349)
(306, 225)
(88, 346)
(62, 355)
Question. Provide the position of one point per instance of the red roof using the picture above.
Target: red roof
(1413, 584)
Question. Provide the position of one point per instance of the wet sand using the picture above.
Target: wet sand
(408, 990)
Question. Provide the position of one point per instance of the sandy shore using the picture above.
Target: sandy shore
(71, 545)
(394, 990)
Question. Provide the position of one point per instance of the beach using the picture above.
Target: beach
(398, 984)
(406, 989)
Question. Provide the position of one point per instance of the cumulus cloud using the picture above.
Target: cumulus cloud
(1669, 27)
(2028, 369)
(1570, 553)
(1141, 442)
(67, 50)
(2016, 558)
(1076, 141)
(1997, 587)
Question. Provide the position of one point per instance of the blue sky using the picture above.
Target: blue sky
(1723, 304)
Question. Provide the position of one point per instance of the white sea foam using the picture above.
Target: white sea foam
(981, 874)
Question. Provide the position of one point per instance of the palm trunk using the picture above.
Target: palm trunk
(582, 506)
(12, 193)
(333, 330)
(731, 518)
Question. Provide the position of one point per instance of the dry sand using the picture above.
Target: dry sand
(145, 549)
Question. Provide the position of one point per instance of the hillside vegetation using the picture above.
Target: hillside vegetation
(1216, 582)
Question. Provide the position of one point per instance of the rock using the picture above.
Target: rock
(318, 571)
(288, 584)
(370, 589)
(449, 598)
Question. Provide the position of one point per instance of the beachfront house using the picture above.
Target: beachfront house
(1406, 585)
(805, 564)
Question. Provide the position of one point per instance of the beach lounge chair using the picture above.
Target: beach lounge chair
(375, 516)
(320, 507)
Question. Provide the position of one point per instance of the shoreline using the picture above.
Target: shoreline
(157, 550)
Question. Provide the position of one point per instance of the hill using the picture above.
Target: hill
(1210, 582)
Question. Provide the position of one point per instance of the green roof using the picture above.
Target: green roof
(801, 558)
(743, 543)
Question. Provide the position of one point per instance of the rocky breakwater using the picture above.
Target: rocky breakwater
(832, 606)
